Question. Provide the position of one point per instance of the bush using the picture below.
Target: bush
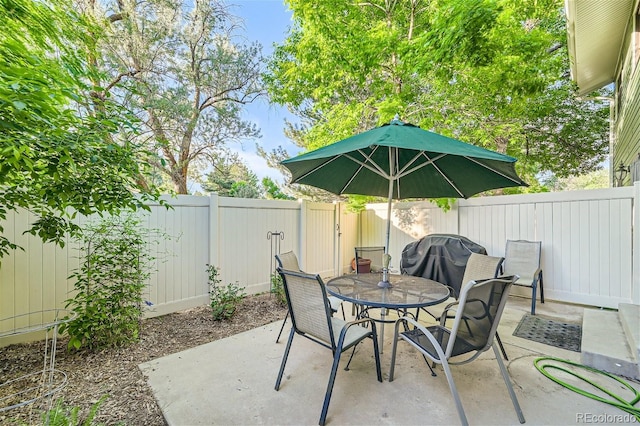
(277, 288)
(109, 284)
(224, 300)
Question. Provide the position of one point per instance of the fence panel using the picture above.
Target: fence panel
(244, 252)
(318, 240)
(179, 243)
(587, 237)
(409, 222)
(36, 278)
(347, 237)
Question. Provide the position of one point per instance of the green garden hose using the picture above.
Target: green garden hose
(617, 401)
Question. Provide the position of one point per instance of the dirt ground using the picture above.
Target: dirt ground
(115, 372)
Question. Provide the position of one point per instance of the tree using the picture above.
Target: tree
(176, 65)
(273, 190)
(59, 154)
(593, 180)
(488, 72)
(231, 178)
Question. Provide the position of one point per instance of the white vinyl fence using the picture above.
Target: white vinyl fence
(229, 233)
(590, 253)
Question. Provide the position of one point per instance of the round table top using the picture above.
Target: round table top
(406, 291)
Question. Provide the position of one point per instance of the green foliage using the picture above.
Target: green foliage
(277, 288)
(231, 178)
(109, 284)
(58, 152)
(224, 300)
(488, 72)
(273, 191)
(594, 180)
(61, 415)
(180, 66)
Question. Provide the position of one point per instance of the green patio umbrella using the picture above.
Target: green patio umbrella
(399, 160)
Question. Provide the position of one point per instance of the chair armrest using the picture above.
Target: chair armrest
(346, 326)
(427, 334)
(445, 315)
(359, 321)
(537, 275)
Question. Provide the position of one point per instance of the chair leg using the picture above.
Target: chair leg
(393, 351)
(353, 352)
(507, 381)
(284, 358)
(376, 351)
(504, 353)
(283, 323)
(533, 299)
(332, 379)
(431, 366)
(541, 289)
(454, 393)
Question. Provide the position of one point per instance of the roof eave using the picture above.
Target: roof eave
(595, 36)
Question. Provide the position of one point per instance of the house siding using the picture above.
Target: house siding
(626, 144)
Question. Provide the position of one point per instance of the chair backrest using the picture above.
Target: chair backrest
(288, 261)
(479, 311)
(374, 254)
(481, 267)
(522, 258)
(309, 307)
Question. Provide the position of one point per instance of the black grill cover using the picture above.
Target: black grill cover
(439, 257)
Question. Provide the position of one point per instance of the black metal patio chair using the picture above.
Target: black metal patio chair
(311, 318)
(522, 258)
(374, 256)
(476, 319)
(289, 261)
(479, 267)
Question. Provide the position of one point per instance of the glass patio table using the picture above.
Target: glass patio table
(406, 291)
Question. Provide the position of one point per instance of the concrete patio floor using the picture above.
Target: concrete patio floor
(231, 382)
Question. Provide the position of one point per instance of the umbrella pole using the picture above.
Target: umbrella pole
(387, 258)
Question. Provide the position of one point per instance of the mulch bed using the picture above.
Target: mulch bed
(115, 373)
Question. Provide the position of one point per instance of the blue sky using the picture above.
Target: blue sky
(265, 21)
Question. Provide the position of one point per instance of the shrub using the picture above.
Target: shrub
(224, 299)
(109, 284)
(277, 288)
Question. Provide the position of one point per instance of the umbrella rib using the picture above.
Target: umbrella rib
(346, 185)
(404, 171)
(370, 164)
(432, 161)
(493, 170)
(315, 169)
(377, 170)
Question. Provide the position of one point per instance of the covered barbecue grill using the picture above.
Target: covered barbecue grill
(439, 257)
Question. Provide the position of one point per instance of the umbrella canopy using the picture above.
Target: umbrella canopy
(419, 164)
(398, 161)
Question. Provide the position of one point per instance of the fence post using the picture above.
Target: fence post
(302, 235)
(337, 245)
(214, 220)
(635, 246)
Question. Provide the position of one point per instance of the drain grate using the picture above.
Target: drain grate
(550, 332)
